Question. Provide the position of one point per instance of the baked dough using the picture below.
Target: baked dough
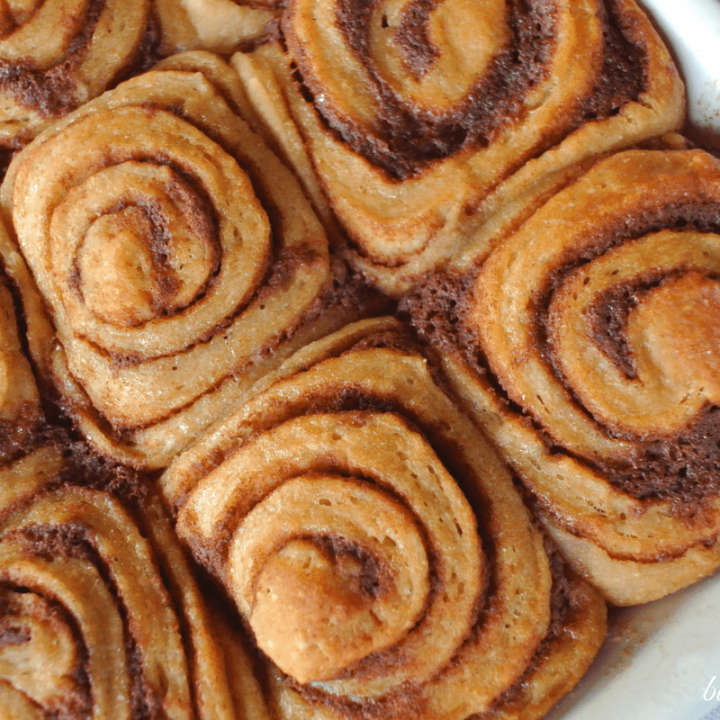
(329, 509)
(587, 347)
(418, 125)
(175, 257)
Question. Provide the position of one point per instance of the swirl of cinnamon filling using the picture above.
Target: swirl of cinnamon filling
(56, 55)
(425, 121)
(329, 509)
(176, 256)
(100, 615)
(595, 332)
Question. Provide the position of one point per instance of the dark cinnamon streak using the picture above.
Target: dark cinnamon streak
(52, 93)
(11, 635)
(413, 39)
(17, 436)
(148, 53)
(623, 75)
(79, 45)
(609, 314)
(610, 311)
(84, 468)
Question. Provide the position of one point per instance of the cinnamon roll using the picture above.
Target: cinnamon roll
(425, 122)
(57, 55)
(176, 259)
(587, 346)
(328, 508)
(99, 613)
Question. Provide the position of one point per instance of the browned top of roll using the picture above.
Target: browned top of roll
(518, 40)
(163, 235)
(329, 508)
(428, 127)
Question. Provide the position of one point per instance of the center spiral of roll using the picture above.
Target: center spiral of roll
(662, 367)
(164, 237)
(603, 326)
(337, 587)
(338, 563)
(136, 241)
(328, 507)
(148, 255)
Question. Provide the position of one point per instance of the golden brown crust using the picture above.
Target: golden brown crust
(427, 125)
(328, 508)
(216, 262)
(586, 346)
(560, 660)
